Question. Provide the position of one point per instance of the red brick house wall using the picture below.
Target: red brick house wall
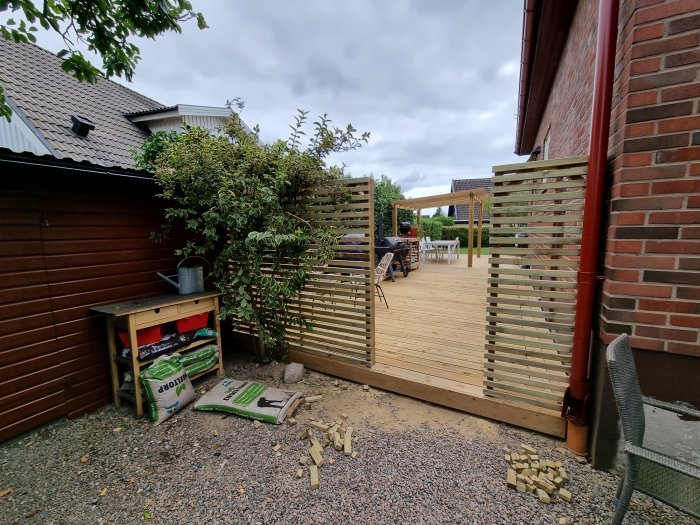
(572, 90)
(651, 256)
(652, 259)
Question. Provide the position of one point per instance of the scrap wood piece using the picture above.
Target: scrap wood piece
(565, 495)
(319, 425)
(337, 442)
(528, 449)
(294, 407)
(303, 460)
(313, 470)
(347, 442)
(277, 447)
(343, 416)
(257, 424)
(354, 454)
(365, 388)
(5, 492)
(304, 434)
(511, 479)
(316, 445)
(291, 421)
(543, 496)
(316, 456)
(300, 473)
(563, 521)
(313, 399)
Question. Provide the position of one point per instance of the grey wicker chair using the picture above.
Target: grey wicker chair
(668, 479)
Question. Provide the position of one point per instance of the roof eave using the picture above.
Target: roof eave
(546, 25)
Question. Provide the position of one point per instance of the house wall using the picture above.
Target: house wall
(652, 248)
(571, 93)
(652, 253)
(68, 242)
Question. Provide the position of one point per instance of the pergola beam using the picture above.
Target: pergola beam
(445, 199)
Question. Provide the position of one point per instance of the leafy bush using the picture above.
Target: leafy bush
(444, 220)
(451, 232)
(432, 228)
(240, 201)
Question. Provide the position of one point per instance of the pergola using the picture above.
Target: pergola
(479, 195)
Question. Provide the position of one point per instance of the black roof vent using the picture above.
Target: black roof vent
(81, 125)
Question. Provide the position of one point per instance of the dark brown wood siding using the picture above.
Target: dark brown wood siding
(67, 242)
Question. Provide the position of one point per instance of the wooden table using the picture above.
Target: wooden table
(143, 313)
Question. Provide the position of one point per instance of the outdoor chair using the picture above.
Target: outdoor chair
(457, 247)
(380, 273)
(666, 478)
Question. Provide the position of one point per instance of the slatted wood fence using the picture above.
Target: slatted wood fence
(339, 297)
(536, 219)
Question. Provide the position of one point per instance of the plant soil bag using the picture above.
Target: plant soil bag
(203, 364)
(167, 386)
(201, 354)
(248, 399)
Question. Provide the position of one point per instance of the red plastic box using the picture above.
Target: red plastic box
(193, 322)
(145, 336)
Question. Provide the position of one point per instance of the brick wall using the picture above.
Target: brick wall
(652, 259)
(572, 90)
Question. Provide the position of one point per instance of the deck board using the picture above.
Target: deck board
(435, 323)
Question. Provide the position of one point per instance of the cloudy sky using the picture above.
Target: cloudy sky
(434, 81)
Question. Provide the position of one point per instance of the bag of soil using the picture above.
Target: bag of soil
(167, 386)
(248, 399)
(203, 364)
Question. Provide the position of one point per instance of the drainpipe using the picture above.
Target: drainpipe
(576, 407)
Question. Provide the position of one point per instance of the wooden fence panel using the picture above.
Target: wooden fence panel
(536, 223)
(339, 297)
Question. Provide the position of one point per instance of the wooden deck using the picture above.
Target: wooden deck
(429, 344)
(435, 323)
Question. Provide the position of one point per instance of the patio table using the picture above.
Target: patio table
(450, 245)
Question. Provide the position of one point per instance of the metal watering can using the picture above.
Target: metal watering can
(190, 279)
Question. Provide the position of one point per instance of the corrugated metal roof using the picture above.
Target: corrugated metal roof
(47, 96)
(461, 211)
(18, 137)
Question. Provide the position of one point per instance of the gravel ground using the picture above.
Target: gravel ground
(204, 468)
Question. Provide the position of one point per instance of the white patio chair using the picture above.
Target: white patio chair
(380, 273)
(457, 247)
(668, 479)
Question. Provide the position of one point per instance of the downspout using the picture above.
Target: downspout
(576, 407)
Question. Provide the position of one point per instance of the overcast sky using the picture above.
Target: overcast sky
(434, 81)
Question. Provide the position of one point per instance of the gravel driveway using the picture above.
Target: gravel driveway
(416, 463)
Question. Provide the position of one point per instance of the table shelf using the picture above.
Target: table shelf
(152, 311)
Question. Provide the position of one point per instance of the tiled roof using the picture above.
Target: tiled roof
(47, 97)
(462, 210)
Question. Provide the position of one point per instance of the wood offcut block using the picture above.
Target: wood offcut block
(300, 473)
(511, 479)
(347, 442)
(313, 399)
(319, 425)
(257, 424)
(337, 442)
(304, 434)
(291, 421)
(528, 449)
(277, 447)
(313, 471)
(316, 456)
(303, 460)
(507, 457)
(563, 521)
(565, 495)
(543, 496)
(520, 487)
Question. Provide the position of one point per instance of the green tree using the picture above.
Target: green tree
(106, 27)
(439, 213)
(241, 202)
(386, 191)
